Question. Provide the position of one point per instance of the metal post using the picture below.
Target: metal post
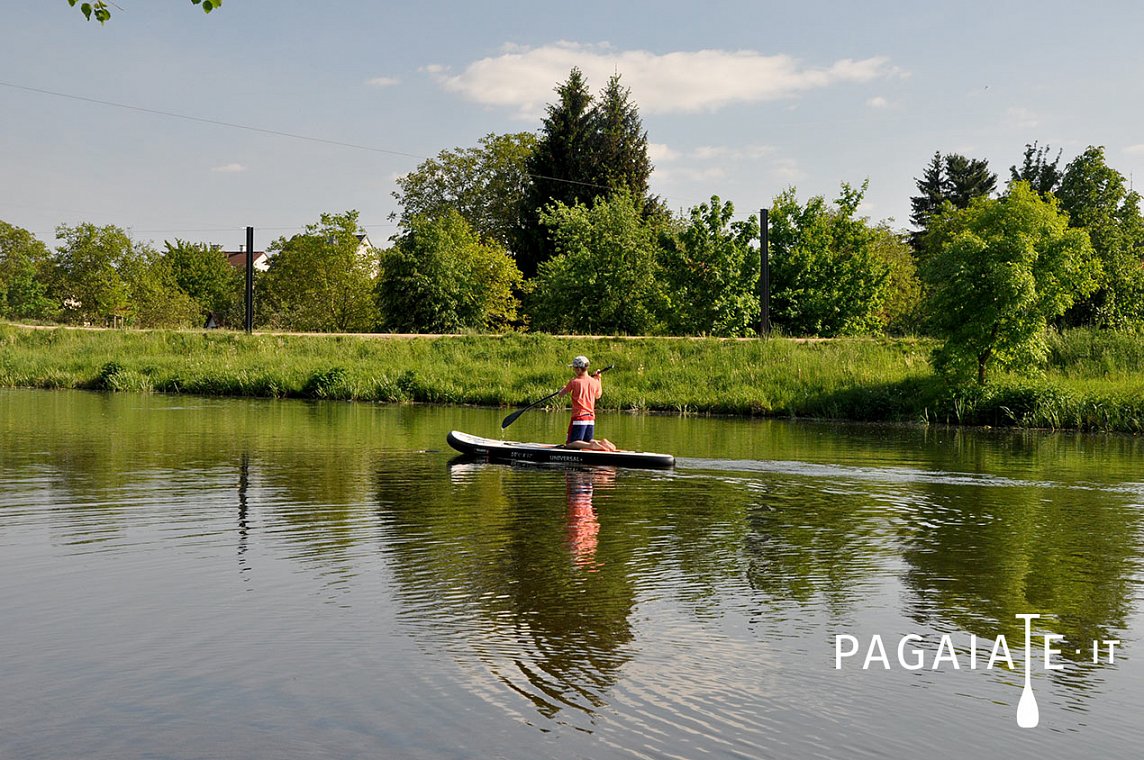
(764, 274)
(249, 280)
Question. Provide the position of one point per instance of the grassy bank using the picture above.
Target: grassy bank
(1094, 381)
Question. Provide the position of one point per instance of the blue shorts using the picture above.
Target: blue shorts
(581, 431)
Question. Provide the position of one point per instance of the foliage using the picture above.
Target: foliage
(1000, 270)
(101, 13)
(319, 281)
(87, 279)
(712, 269)
(1042, 176)
(203, 273)
(153, 293)
(619, 143)
(441, 277)
(587, 149)
(826, 279)
(1096, 198)
(23, 288)
(485, 184)
(901, 311)
(951, 179)
(101, 276)
(605, 278)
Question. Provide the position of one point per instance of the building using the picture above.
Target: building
(237, 260)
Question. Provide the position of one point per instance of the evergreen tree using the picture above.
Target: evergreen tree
(933, 188)
(952, 178)
(968, 178)
(559, 168)
(588, 148)
(619, 145)
(1042, 176)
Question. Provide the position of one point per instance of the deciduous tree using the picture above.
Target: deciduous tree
(1097, 198)
(23, 275)
(826, 278)
(486, 185)
(1000, 270)
(711, 267)
(606, 277)
(440, 276)
(318, 281)
(1036, 169)
(203, 273)
(100, 11)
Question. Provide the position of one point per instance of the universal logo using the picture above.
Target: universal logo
(911, 656)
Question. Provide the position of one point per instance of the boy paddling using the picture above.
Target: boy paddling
(584, 389)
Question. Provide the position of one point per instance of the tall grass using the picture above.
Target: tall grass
(1093, 380)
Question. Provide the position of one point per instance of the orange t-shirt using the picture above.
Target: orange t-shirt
(584, 391)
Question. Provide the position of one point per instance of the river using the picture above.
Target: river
(211, 578)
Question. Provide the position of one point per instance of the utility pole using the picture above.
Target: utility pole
(249, 280)
(764, 274)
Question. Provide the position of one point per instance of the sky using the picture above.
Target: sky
(175, 124)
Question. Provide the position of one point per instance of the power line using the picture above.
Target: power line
(262, 130)
(216, 122)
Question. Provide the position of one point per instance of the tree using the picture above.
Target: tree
(153, 293)
(23, 275)
(559, 169)
(901, 310)
(587, 149)
(618, 155)
(952, 179)
(203, 273)
(934, 190)
(442, 277)
(101, 13)
(826, 279)
(712, 268)
(605, 277)
(87, 278)
(968, 178)
(319, 280)
(485, 184)
(1001, 269)
(1097, 199)
(1042, 176)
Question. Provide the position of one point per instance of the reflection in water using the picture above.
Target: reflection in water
(583, 526)
(669, 613)
(243, 527)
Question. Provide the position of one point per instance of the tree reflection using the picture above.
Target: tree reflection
(517, 566)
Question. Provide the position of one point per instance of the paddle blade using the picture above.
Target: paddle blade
(512, 417)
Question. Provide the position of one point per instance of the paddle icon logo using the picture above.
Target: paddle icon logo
(914, 652)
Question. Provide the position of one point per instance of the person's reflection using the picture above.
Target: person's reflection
(583, 527)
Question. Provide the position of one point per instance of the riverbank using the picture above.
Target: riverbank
(1093, 381)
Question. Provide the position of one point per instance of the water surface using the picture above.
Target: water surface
(195, 578)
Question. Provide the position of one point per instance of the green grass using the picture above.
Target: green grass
(1093, 380)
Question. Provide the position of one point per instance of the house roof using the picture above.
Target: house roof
(237, 259)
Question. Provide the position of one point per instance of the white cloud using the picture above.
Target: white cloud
(688, 81)
(233, 168)
(383, 81)
(878, 102)
(1135, 150)
(1020, 118)
(717, 152)
(660, 152)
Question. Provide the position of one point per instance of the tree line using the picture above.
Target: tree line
(557, 231)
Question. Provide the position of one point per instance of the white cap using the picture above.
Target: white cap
(580, 362)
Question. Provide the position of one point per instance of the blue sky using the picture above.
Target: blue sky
(739, 99)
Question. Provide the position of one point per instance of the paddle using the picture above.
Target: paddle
(512, 417)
